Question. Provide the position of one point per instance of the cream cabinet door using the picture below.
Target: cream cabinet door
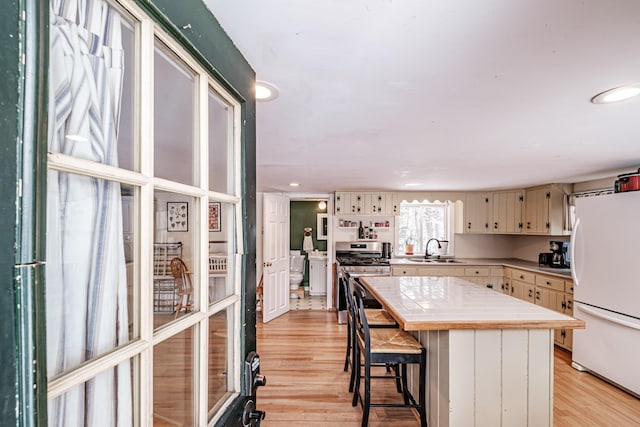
(523, 290)
(356, 204)
(506, 212)
(477, 209)
(392, 201)
(342, 202)
(374, 203)
(536, 210)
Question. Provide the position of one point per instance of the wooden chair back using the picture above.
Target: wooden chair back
(183, 283)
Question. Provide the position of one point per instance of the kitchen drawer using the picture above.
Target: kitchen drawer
(404, 271)
(476, 271)
(568, 286)
(442, 271)
(524, 276)
(554, 283)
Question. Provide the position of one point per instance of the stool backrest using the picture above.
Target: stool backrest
(359, 317)
(348, 292)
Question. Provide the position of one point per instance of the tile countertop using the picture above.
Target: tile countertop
(446, 303)
(498, 262)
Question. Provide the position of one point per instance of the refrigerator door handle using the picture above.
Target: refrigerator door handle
(603, 315)
(574, 256)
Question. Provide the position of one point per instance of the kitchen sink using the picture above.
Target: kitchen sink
(437, 260)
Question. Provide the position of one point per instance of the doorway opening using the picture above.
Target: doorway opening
(310, 252)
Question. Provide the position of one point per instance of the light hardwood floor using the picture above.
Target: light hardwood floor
(302, 356)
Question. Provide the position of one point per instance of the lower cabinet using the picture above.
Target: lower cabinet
(552, 292)
(317, 276)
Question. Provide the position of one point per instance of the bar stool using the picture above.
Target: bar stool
(385, 346)
(378, 318)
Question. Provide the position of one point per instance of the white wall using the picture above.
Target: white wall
(528, 247)
(483, 246)
(259, 226)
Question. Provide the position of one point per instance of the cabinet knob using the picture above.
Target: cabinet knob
(495, 225)
(469, 226)
(530, 293)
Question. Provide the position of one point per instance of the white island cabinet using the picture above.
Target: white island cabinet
(489, 356)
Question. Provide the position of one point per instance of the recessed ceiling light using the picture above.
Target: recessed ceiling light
(412, 184)
(265, 91)
(294, 184)
(617, 94)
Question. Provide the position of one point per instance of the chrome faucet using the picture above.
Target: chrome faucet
(426, 247)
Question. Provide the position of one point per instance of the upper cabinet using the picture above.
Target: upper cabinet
(546, 210)
(538, 210)
(366, 203)
(375, 203)
(477, 212)
(506, 211)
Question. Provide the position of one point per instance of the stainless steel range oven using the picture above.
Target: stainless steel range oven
(359, 258)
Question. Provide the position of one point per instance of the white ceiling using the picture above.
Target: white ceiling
(445, 95)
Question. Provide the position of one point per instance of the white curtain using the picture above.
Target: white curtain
(86, 276)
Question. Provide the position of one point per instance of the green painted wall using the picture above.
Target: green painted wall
(304, 214)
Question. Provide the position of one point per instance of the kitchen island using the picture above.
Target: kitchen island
(489, 355)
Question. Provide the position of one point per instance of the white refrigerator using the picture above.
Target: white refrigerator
(605, 264)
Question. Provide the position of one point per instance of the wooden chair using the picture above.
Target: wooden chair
(183, 283)
(386, 346)
(378, 318)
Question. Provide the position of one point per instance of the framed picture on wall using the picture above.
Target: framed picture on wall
(177, 216)
(215, 222)
(322, 226)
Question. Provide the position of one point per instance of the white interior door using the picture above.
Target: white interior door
(275, 247)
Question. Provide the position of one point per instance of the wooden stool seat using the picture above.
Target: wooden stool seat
(393, 341)
(377, 317)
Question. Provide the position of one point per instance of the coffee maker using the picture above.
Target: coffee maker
(559, 254)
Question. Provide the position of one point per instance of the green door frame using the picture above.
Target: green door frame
(23, 160)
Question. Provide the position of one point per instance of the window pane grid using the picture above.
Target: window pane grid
(420, 222)
(138, 149)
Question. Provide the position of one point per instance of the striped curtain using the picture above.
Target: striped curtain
(86, 281)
